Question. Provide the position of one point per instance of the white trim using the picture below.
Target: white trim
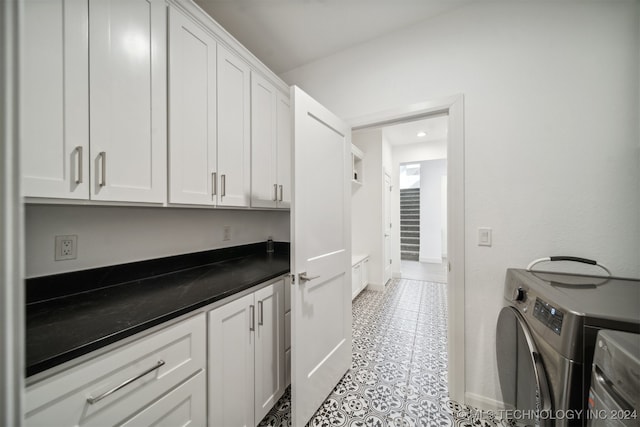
(454, 107)
(11, 226)
(431, 260)
(374, 287)
(484, 403)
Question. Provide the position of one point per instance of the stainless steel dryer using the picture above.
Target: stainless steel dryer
(546, 335)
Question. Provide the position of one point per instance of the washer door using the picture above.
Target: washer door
(522, 377)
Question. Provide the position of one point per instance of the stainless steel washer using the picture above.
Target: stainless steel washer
(545, 339)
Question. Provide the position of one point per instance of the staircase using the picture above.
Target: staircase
(410, 224)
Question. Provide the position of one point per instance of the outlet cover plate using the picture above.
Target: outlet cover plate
(66, 247)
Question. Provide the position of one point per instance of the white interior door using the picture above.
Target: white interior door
(387, 229)
(321, 215)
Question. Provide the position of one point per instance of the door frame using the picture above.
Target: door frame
(453, 106)
(11, 220)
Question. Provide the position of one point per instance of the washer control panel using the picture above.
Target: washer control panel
(548, 315)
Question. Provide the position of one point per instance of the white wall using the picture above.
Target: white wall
(552, 164)
(366, 205)
(114, 235)
(431, 172)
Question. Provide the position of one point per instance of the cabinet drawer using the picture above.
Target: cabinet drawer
(184, 406)
(175, 352)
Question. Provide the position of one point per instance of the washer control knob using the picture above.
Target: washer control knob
(520, 295)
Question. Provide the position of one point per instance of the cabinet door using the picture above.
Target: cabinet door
(356, 279)
(283, 114)
(55, 99)
(231, 369)
(234, 138)
(365, 273)
(264, 186)
(127, 65)
(269, 352)
(192, 112)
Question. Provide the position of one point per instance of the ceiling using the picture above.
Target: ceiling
(407, 133)
(286, 34)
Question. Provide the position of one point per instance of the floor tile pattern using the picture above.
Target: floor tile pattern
(398, 374)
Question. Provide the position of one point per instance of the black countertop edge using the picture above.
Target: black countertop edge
(58, 359)
(62, 285)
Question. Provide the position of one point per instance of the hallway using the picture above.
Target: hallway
(398, 375)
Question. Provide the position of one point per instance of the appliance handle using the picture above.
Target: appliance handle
(568, 258)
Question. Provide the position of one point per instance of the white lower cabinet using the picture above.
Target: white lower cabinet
(359, 275)
(158, 379)
(246, 357)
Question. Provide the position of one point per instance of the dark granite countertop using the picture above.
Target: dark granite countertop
(61, 327)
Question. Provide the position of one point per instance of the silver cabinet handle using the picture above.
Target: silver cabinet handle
(304, 278)
(223, 179)
(92, 400)
(275, 192)
(260, 319)
(103, 172)
(79, 163)
(280, 199)
(252, 318)
(214, 183)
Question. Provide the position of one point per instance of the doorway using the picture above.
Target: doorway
(423, 212)
(453, 109)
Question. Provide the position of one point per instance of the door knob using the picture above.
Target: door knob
(304, 278)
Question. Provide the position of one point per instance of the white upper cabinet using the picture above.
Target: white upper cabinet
(270, 146)
(55, 99)
(192, 112)
(234, 124)
(264, 187)
(127, 68)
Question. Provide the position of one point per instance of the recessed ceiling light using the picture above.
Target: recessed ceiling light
(421, 134)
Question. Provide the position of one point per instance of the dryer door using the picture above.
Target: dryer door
(522, 377)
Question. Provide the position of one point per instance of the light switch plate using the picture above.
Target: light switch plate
(484, 236)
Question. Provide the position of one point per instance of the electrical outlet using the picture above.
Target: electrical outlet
(66, 247)
(227, 233)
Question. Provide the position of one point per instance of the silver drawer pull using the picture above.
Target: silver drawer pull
(79, 165)
(280, 199)
(260, 319)
(275, 192)
(91, 400)
(214, 183)
(223, 178)
(103, 175)
(252, 318)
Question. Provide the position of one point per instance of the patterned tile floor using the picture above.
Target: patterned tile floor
(398, 374)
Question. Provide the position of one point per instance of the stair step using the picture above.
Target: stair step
(410, 227)
(409, 256)
(409, 247)
(410, 210)
(413, 222)
(410, 190)
(410, 234)
(409, 241)
(409, 216)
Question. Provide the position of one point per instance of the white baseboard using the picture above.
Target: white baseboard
(483, 403)
(374, 287)
(432, 260)
(397, 274)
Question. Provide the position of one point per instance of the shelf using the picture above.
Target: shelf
(357, 165)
